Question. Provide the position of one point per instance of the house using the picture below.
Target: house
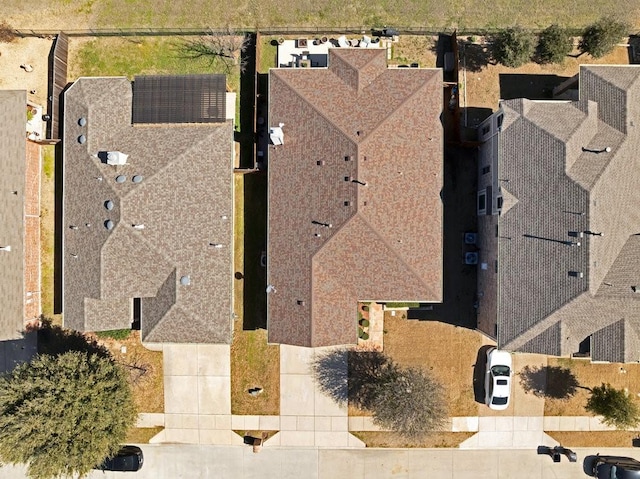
(20, 213)
(148, 207)
(558, 195)
(354, 207)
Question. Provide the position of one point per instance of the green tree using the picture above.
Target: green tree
(554, 44)
(63, 414)
(600, 38)
(513, 47)
(617, 408)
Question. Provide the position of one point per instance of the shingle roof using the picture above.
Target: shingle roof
(184, 202)
(548, 155)
(356, 120)
(13, 106)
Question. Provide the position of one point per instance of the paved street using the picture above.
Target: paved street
(239, 462)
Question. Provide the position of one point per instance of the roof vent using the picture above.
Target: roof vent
(82, 139)
(5, 248)
(185, 280)
(347, 203)
(348, 158)
(82, 121)
(121, 179)
(109, 224)
(116, 158)
(576, 274)
(108, 205)
(576, 234)
(320, 163)
(300, 302)
(137, 179)
(276, 135)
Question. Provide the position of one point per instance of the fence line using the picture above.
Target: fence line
(111, 32)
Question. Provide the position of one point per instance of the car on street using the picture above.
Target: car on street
(615, 467)
(497, 383)
(128, 458)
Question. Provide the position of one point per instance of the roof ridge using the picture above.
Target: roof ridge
(421, 87)
(318, 111)
(398, 256)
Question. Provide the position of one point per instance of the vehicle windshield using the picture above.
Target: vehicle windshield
(501, 370)
(499, 401)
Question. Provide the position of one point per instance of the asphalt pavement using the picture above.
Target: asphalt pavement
(173, 461)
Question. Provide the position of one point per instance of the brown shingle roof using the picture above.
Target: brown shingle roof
(185, 192)
(356, 120)
(13, 106)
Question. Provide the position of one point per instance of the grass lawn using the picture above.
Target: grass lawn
(590, 375)
(142, 435)
(145, 367)
(414, 49)
(47, 230)
(268, 54)
(436, 14)
(253, 362)
(389, 439)
(594, 438)
(483, 81)
(448, 352)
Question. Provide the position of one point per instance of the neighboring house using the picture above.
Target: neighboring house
(355, 177)
(20, 218)
(558, 196)
(148, 207)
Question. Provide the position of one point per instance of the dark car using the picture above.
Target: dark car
(128, 458)
(616, 467)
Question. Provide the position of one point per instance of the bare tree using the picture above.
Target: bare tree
(227, 47)
(405, 400)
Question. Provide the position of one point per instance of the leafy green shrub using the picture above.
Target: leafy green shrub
(513, 47)
(554, 44)
(616, 406)
(600, 38)
(118, 334)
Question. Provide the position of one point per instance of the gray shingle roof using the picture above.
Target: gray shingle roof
(355, 120)
(184, 192)
(13, 106)
(547, 154)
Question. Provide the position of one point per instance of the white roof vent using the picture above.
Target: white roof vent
(276, 135)
(116, 158)
(185, 280)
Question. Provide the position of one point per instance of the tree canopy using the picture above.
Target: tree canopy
(554, 44)
(64, 414)
(513, 47)
(406, 400)
(600, 38)
(617, 408)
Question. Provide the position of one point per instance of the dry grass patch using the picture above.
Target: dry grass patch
(590, 375)
(594, 438)
(254, 363)
(145, 368)
(393, 440)
(483, 86)
(142, 435)
(448, 352)
(414, 49)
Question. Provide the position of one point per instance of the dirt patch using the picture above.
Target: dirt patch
(482, 81)
(26, 51)
(389, 439)
(589, 375)
(594, 438)
(145, 370)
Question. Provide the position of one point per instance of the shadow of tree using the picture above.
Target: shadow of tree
(54, 340)
(476, 57)
(553, 382)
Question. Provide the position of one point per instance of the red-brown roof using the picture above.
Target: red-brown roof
(356, 120)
